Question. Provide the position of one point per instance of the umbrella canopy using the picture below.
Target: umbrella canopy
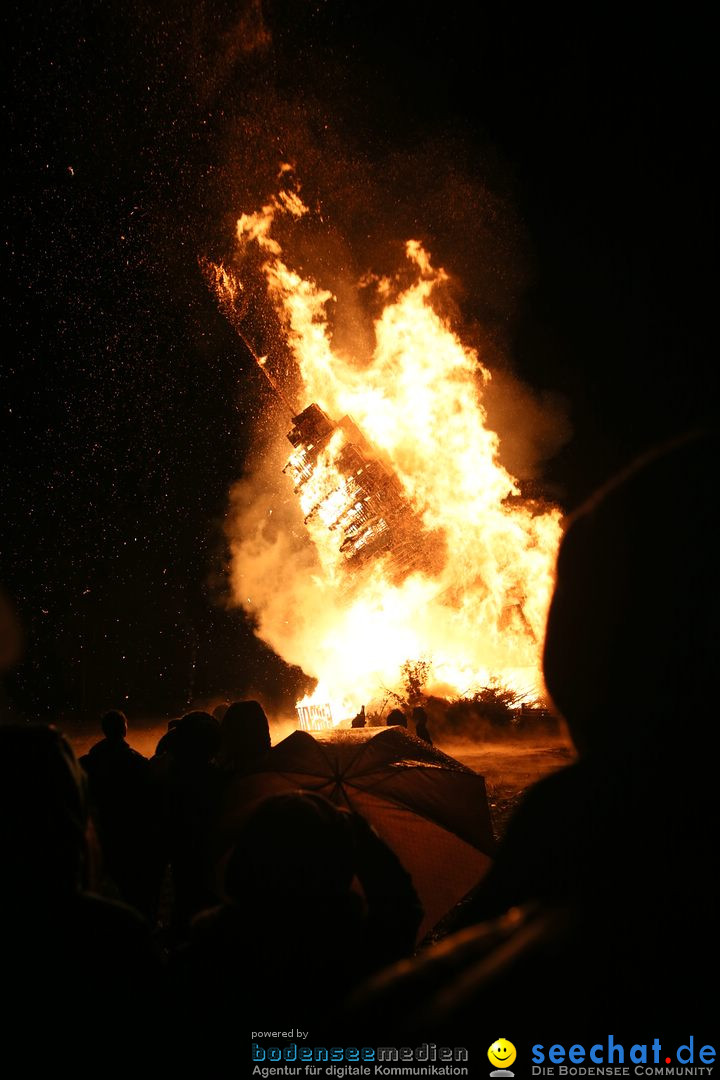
(430, 809)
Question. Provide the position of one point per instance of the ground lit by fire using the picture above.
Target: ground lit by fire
(422, 547)
(509, 764)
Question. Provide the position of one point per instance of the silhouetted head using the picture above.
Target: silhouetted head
(419, 715)
(194, 738)
(632, 639)
(245, 733)
(296, 846)
(220, 710)
(396, 717)
(114, 724)
(42, 812)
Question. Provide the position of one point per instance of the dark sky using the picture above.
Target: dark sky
(561, 168)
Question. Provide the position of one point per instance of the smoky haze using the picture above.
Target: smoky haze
(367, 202)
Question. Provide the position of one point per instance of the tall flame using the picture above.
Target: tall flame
(477, 616)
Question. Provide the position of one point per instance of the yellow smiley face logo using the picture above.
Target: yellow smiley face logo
(502, 1053)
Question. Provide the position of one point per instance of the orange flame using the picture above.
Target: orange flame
(477, 618)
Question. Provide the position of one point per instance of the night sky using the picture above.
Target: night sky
(561, 169)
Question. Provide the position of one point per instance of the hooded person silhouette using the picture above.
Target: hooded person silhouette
(601, 904)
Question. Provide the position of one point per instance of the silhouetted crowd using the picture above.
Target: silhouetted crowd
(129, 872)
(129, 892)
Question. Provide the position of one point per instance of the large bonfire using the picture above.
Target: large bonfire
(425, 551)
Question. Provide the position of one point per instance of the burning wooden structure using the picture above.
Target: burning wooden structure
(339, 479)
(426, 546)
(314, 717)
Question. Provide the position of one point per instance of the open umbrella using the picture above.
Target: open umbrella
(430, 809)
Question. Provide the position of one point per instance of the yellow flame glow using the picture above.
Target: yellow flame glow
(481, 615)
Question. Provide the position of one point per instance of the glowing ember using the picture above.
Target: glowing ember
(424, 548)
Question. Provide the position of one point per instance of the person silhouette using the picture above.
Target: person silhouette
(314, 900)
(359, 720)
(244, 736)
(420, 720)
(188, 788)
(602, 900)
(69, 956)
(121, 805)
